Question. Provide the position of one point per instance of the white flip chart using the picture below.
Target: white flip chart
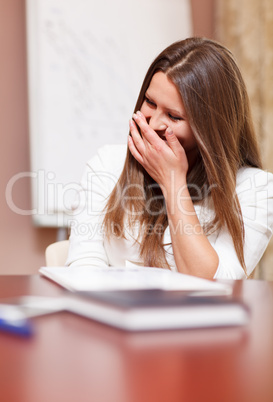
(86, 62)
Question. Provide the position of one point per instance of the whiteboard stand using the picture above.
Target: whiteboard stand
(62, 234)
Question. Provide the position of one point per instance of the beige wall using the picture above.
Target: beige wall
(246, 28)
(203, 18)
(21, 244)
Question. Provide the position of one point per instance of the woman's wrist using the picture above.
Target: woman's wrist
(176, 193)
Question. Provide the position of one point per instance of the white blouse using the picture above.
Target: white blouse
(88, 246)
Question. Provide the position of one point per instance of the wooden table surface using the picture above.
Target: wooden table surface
(74, 359)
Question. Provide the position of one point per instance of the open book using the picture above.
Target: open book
(147, 298)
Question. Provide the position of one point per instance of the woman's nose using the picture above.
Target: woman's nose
(156, 123)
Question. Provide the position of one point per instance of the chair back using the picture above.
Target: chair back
(56, 253)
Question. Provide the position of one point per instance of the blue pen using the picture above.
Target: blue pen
(13, 321)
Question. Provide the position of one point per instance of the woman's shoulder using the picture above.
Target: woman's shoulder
(254, 179)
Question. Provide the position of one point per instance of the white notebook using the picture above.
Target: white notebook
(126, 278)
(141, 298)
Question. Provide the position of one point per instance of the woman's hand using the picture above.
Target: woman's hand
(167, 163)
(163, 160)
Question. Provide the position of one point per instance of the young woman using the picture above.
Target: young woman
(188, 194)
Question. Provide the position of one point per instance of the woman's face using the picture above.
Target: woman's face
(163, 108)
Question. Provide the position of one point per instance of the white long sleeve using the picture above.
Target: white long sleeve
(255, 192)
(99, 178)
(87, 244)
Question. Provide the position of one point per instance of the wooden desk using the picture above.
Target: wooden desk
(73, 359)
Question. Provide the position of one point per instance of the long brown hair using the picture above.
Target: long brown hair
(217, 107)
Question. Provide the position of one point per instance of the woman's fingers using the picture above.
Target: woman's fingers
(138, 140)
(157, 157)
(135, 142)
(173, 142)
(147, 132)
(133, 150)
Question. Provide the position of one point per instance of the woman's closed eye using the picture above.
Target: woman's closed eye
(175, 118)
(171, 116)
(149, 102)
